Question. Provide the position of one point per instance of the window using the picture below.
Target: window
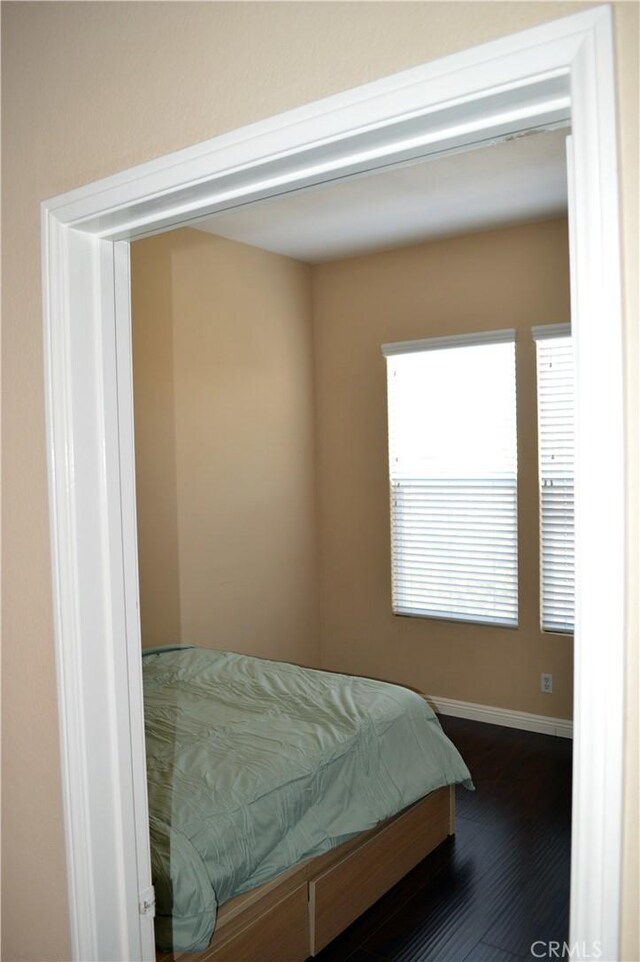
(452, 467)
(554, 350)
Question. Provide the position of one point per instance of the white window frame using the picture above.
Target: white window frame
(561, 68)
(439, 558)
(546, 332)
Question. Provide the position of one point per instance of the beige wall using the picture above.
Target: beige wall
(155, 440)
(224, 419)
(516, 277)
(87, 90)
(224, 406)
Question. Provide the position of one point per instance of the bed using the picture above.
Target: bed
(283, 800)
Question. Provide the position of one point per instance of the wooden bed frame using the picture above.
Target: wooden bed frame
(296, 914)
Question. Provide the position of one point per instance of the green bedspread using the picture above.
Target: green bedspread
(255, 765)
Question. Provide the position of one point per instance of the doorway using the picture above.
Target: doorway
(561, 70)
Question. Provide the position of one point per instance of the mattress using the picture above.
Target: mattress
(255, 765)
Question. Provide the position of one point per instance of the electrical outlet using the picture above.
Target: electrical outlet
(546, 683)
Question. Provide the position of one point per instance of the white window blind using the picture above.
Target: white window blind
(452, 467)
(554, 349)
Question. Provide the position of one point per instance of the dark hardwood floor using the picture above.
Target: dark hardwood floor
(502, 883)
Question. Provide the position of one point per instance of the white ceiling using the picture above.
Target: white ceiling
(514, 181)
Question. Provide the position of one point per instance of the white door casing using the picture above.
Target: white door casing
(560, 70)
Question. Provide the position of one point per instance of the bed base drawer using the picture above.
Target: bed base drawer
(346, 889)
(301, 911)
(280, 935)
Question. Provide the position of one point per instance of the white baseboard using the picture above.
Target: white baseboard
(561, 727)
